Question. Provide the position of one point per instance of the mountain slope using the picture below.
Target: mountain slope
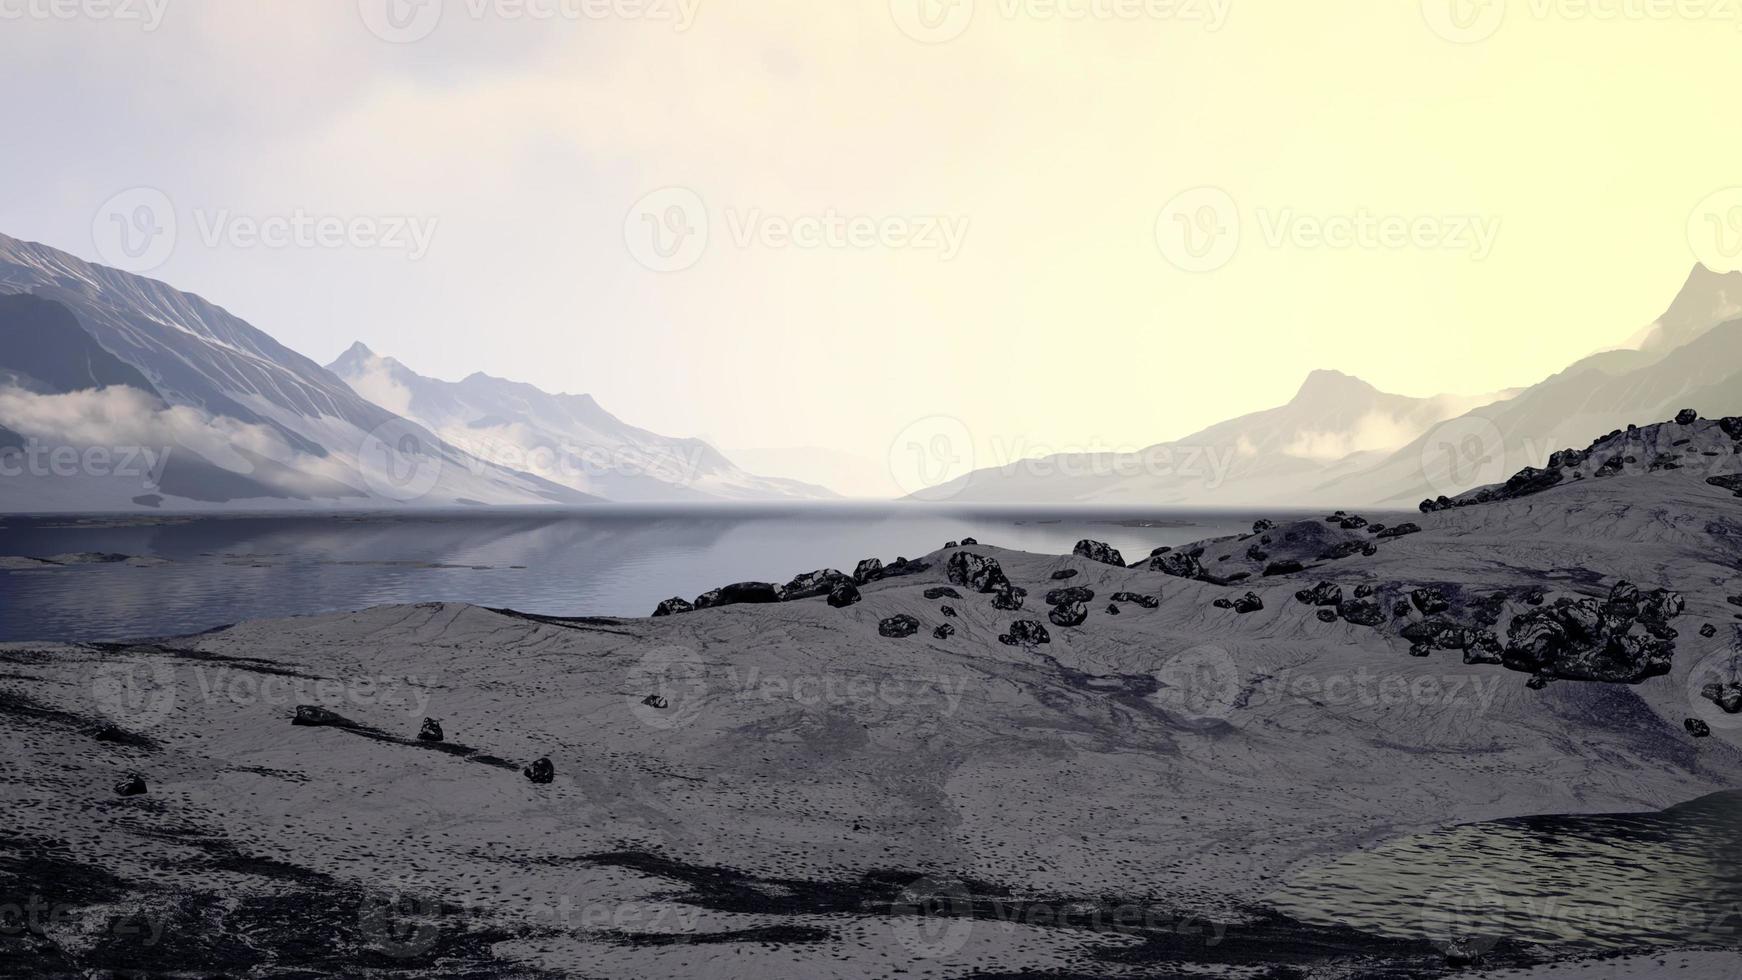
(568, 439)
(1690, 357)
(234, 418)
(1333, 425)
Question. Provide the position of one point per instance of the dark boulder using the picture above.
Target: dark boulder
(1285, 567)
(1099, 551)
(1146, 601)
(1248, 603)
(1223, 603)
(1322, 594)
(1263, 524)
(1361, 612)
(812, 584)
(133, 785)
(976, 572)
(1708, 631)
(1364, 591)
(969, 542)
(942, 592)
(1400, 530)
(1697, 728)
(1009, 597)
(1327, 615)
(673, 606)
(1177, 564)
(1112, 610)
(1025, 633)
(944, 631)
(1687, 416)
(1429, 601)
(314, 716)
(898, 627)
(431, 731)
(868, 571)
(1059, 597)
(951, 545)
(1728, 697)
(540, 772)
(844, 595)
(739, 593)
(949, 611)
(656, 702)
(1068, 614)
(1064, 573)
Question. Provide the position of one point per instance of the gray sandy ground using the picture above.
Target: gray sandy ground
(807, 785)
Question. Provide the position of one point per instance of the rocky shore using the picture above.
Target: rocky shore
(972, 762)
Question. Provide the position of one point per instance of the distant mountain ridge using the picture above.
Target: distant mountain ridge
(1280, 456)
(1340, 441)
(568, 439)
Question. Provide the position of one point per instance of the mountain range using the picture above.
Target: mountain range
(568, 439)
(1342, 441)
(121, 393)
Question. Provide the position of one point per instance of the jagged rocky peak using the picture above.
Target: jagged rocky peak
(1686, 444)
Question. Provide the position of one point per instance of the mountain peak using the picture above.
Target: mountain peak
(1328, 384)
(355, 358)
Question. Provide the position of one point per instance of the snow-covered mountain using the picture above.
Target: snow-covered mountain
(1332, 427)
(568, 439)
(119, 392)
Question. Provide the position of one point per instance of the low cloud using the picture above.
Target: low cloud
(121, 418)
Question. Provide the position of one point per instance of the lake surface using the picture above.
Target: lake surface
(610, 561)
(1618, 881)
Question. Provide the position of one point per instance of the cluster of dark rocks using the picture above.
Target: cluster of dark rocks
(1246, 604)
(841, 589)
(1604, 457)
(1025, 633)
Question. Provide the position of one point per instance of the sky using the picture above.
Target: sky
(1058, 224)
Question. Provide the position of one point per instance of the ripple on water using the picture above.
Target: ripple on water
(1669, 878)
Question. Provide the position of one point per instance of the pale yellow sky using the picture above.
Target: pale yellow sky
(997, 199)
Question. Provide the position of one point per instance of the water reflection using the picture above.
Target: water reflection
(601, 561)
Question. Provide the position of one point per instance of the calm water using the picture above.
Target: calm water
(599, 561)
(1669, 878)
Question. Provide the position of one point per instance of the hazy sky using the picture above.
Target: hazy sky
(1067, 223)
